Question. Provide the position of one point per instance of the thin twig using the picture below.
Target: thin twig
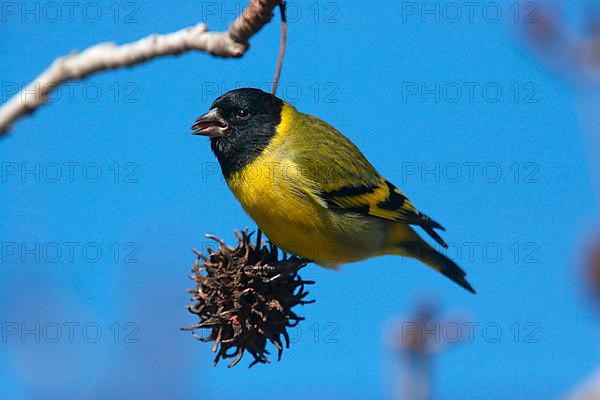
(282, 45)
(106, 56)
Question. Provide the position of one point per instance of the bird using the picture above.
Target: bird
(311, 190)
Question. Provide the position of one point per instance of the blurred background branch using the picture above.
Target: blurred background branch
(418, 340)
(574, 54)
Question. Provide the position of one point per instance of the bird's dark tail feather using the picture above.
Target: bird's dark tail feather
(436, 260)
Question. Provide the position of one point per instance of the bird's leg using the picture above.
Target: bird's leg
(258, 237)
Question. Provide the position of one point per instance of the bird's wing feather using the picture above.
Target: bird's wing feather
(385, 201)
(344, 179)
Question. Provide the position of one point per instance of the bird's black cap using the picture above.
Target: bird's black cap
(241, 124)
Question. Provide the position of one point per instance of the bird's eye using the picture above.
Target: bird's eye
(243, 113)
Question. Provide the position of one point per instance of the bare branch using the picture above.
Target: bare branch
(256, 15)
(106, 56)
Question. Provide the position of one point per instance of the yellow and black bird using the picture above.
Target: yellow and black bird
(310, 189)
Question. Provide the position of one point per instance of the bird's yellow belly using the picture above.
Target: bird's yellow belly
(298, 224)
(328, 243)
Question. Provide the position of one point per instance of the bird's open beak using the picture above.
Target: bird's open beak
(210, 124)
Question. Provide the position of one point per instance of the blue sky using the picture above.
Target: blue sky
(460, 115)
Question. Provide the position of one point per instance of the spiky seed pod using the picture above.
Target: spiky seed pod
(244, 297)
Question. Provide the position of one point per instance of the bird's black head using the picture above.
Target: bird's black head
(240, 125)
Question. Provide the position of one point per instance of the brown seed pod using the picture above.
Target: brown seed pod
(244, 297)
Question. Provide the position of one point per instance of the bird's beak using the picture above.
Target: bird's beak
(210, 124)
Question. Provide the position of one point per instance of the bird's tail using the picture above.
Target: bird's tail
(415, 247)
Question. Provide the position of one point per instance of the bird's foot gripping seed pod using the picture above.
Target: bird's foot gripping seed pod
(244, 298)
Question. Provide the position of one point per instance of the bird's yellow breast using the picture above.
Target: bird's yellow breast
(270, 191)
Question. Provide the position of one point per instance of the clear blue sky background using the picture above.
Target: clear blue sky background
(351, 64)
